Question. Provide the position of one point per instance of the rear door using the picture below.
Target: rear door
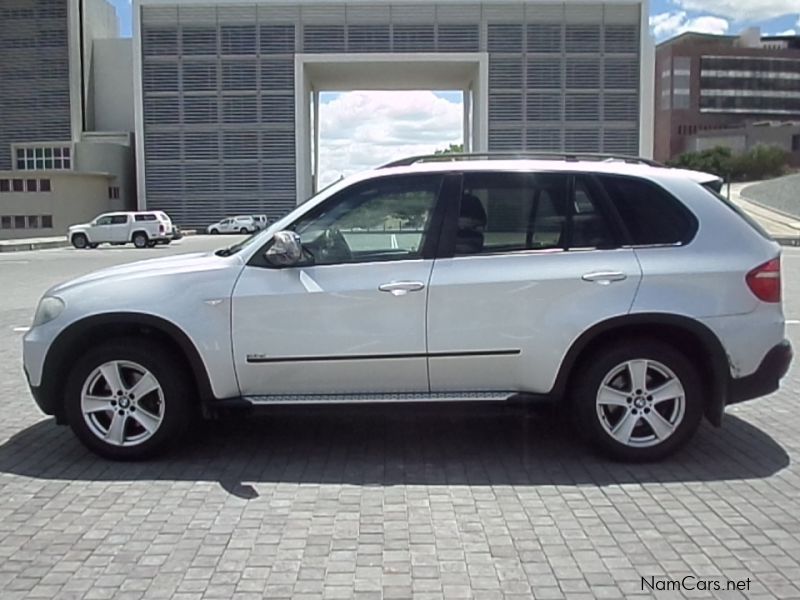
(119, 229)
(533, 261)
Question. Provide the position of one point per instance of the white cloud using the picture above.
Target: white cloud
(362, 130)
(741, 10)
(668, 24)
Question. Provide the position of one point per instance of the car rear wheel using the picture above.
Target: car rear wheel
(214, 231)
(243, 230)
(140, 239)
(638, 400)
(80, 241)
(127, 400)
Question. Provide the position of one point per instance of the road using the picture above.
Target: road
(430, 502)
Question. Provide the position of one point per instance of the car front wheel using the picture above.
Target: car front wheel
(638, 400)
(79, 241)
(127, 400)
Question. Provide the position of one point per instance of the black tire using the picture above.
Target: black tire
(152, 244)
(243, 230)
(140, 239)
(214, 232)
(80, 241)
(171, 376)
(93, 246)
(596, 368)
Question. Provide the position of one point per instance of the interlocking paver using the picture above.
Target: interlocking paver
(430, 502)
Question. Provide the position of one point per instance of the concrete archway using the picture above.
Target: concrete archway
(315, 73)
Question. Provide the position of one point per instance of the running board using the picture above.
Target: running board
(378, 398)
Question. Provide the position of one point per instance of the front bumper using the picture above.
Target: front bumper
(766, 379)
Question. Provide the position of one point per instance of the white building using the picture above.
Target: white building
(226, 92)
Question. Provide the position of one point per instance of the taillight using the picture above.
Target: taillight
(161, 228)
(765, 281)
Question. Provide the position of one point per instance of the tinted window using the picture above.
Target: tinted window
(507, 212)
(590, 228)
(379, 220)
(145, 217)
(119, 219)
(649, 213)
(103, 221)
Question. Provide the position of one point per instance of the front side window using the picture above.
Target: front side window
(650, 214)
(380, 220)
(103, 221)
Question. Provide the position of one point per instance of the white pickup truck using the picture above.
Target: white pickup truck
(143, 229)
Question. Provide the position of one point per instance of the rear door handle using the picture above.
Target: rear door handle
(401, 288)
(604, 277)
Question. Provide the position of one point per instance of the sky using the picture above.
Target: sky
(362, 129)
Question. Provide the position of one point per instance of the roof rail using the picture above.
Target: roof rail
(567, 156)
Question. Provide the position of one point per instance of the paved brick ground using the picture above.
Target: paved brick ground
(429, 502)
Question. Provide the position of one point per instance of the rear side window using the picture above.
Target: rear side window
(119, 219)
(650, 214)
(145, 217)
(511, 212)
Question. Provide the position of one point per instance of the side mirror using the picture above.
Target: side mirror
(286, 249)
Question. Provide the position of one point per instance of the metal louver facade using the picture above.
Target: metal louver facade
(34, 75)
(217, 121)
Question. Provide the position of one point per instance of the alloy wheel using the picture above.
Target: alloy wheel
(122, 403)
(640, 403)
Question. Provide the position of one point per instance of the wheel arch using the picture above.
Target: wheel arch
(688, 335)
(135, 231)
(64, 351)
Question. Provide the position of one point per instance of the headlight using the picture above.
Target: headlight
(49, 308)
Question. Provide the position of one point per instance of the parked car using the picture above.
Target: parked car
(261, 221)
(143, 229)
(241, 224)
(629, 294)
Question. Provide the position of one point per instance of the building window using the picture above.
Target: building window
(44, 185)
(30, 185)
(796, 143)
(113, 192)
(5, 185)
(5, 222)
(47, 221)
(33, 222)
(40, 158)
(19, 222)
(17, 185)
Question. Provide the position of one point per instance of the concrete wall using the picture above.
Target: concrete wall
(99, 22)
(73, 198)
(112, 67)
(110, 153)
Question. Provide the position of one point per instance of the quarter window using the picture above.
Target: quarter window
(380, 220)
(650, 214)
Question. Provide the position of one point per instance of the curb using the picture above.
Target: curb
(43, 245)
(786, 240)
(760, 204)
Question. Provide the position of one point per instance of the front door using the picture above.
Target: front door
(537, 260)
(351, 317)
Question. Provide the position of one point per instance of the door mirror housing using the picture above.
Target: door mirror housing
(286, 249)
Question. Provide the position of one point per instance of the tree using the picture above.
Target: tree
(451, 149)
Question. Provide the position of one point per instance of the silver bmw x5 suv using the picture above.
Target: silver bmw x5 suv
(628, 293)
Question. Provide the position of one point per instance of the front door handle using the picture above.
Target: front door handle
(401, 288)
(604, 277)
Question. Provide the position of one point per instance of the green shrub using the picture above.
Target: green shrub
(760, 162)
